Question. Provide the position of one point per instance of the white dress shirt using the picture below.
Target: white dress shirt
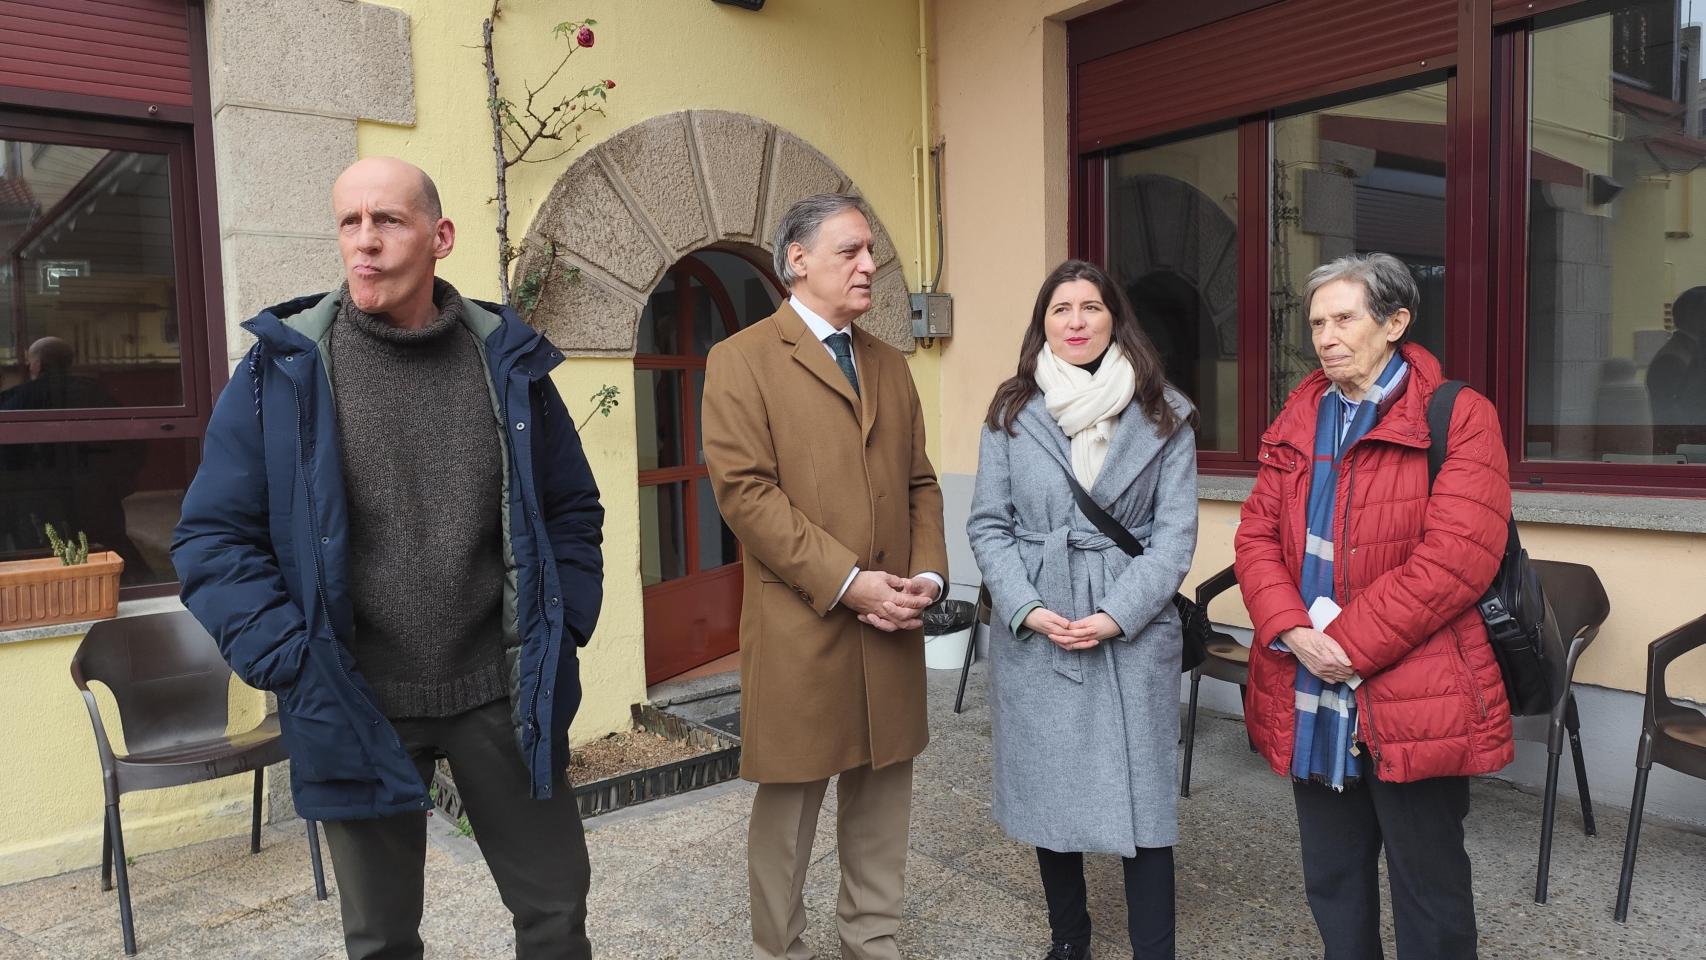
(822, 329)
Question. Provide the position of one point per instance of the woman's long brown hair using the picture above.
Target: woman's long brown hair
(1135, 345)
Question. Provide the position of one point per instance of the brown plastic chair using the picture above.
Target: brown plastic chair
(983, 604)
(172, 689)
(1579, 607)
(1671, 735)
(1227, 660)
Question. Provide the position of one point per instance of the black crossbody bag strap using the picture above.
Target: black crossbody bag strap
(1096, 515)
(1194, 630)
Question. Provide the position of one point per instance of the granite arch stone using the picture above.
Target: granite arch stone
(660, 190)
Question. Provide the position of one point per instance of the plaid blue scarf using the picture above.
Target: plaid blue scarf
(1327, 712)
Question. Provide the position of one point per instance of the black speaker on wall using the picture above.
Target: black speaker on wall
(744, 4)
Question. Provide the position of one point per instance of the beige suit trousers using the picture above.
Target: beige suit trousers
(873, 809)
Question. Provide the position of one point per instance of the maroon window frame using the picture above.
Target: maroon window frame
(1510, 289)
(130, 422)
(684, 362)
(201, 341)
(114, 115)
(1486, 196)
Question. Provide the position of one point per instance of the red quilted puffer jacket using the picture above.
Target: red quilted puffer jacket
(1409, 568)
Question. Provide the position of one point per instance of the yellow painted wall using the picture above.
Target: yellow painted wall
(842, 76)
(613, 666)
(1001, 81)
(51, 803)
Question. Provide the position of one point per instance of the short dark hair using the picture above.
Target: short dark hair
(1688, 313)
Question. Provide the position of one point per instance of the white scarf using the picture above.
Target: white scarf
(1086, 406)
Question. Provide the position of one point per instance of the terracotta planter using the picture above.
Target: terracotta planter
(35, 593)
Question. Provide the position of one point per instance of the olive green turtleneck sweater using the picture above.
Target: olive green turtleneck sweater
(423, 470)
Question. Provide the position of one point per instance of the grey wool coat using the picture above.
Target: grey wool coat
(1086, 741)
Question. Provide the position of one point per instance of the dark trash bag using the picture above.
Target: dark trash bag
(948, 616)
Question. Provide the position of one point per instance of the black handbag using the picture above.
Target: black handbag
(1519, 628)
(1193, 619)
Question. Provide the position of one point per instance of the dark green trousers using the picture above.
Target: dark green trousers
(534, 848)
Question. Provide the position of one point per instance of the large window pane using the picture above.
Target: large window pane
(663, 533)
(752, 295)
(1173, 245)
(717, 545)
(1616, 323)
(124, 494)
(1361, 177)
(88, 293)
(657, 418)
(659, 324)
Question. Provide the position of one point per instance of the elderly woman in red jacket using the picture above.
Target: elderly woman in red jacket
(1372, 684)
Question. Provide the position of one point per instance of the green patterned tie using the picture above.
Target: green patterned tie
(842, 346)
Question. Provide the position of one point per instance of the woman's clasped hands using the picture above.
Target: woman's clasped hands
(1072, 634)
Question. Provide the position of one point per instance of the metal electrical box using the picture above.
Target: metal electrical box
(932, 315)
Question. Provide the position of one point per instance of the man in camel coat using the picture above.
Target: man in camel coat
(814, 437)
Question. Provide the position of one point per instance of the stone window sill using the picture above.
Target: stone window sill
(1668, 514)
(126, 608)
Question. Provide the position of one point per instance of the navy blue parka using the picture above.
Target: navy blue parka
(261, 551)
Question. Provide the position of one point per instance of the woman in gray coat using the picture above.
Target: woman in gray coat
(1084, 640)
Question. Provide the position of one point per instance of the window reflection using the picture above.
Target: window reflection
(1173, 245)
(1616, 323)
(87, 291)
(1360, 177)
(124, 494)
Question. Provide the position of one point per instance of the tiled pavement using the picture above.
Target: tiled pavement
(670, 879)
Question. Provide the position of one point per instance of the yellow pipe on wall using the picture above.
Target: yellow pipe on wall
(921, 162)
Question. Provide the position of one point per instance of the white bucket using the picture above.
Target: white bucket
(947, 651)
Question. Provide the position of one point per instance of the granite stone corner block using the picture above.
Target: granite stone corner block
(346, 59)
(654, 159)
(797, 170)
(380, 83)
(732, 149)
(586, 215)
(261, 271)
(276, 169)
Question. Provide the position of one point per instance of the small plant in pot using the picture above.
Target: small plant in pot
(71, 585)
(69, 554)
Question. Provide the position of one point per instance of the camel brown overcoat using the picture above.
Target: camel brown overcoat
(815, 479)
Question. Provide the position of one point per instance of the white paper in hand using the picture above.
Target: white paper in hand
(1322, 612)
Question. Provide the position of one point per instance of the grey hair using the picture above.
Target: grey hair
(1386, 283)
(801, 224)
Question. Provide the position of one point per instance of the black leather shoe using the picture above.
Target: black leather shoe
(1066, 951)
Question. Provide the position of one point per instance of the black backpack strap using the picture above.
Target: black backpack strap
(1121, 537)
(1440, 407)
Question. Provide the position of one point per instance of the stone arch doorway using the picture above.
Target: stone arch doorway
(690, 562)
(677, 189)
(631, 207)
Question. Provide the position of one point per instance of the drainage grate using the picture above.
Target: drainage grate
(728, 723)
